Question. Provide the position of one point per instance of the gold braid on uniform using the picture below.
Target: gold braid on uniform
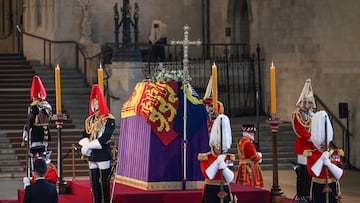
(93, 124)
(35, 103)
(306, 124)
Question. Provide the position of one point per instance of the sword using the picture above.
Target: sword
(327, 188)
(28, 158)
(221, 194)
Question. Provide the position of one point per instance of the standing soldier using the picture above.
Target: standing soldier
(324, 163)
(99, 128)
(39, 116)
(215, 165)
(249, 172)
(301, 123)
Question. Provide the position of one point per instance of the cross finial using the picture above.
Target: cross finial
(186, 43)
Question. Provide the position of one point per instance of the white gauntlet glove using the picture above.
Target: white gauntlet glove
(26, 181)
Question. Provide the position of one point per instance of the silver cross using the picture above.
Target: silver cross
(186, 44)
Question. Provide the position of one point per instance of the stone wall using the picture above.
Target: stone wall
(312, 39)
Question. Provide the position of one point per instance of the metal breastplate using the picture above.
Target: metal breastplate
(100, 131)
(41, 119)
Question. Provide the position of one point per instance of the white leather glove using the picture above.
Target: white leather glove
(221, 158)
(327, 162)
(325, 155)
(260, 154)
(95, 144)
(85, 150)
(84, 141)
(26, 181)
(222, 164)
(25, 134)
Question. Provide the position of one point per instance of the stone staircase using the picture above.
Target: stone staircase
(15, 81)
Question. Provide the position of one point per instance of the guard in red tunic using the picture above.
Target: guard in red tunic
(323, 163)
(249, 172)
(216, 165)
(301, 123)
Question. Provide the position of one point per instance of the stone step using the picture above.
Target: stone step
(12, 175)
(7, 169)
(10, 162)
(16, 68)
(8, 157)
(14, 62)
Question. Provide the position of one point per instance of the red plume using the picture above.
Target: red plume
(96, 92)
(37, 89)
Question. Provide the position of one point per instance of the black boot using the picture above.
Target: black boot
(95, 185)
(105, 184)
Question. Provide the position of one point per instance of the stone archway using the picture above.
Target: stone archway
(239, 17)
(10, 16)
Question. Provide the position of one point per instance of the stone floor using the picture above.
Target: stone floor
(350, 185)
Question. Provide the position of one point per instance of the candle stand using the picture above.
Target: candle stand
(277, 196)
(62, 185)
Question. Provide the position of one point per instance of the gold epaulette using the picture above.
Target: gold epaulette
(340, 152)
(307, 153)
(35, 103)
(232, 156)
(203, 156)
(50, 165)
(110, 116)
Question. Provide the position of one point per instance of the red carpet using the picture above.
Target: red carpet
(124, 194)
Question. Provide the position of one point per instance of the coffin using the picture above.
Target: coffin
(151, 144)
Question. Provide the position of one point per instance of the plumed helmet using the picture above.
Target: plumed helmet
(321, 126)
(97, 101)
(37, 89)
(307, 96)
(220, 106)
(221, 128)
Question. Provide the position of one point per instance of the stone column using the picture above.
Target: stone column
(124, 76)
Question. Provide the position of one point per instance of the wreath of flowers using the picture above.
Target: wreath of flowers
(168, 75)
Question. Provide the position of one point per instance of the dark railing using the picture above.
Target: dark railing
(238, 72)
(88, 70)
(49, 43)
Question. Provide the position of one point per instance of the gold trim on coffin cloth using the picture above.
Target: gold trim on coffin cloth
(170, 185)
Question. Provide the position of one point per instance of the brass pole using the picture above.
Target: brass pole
(277, 196)
(59, 118)
(73, 160)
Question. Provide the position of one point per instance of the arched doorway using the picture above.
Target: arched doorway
(10, 16)
(239, 17)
